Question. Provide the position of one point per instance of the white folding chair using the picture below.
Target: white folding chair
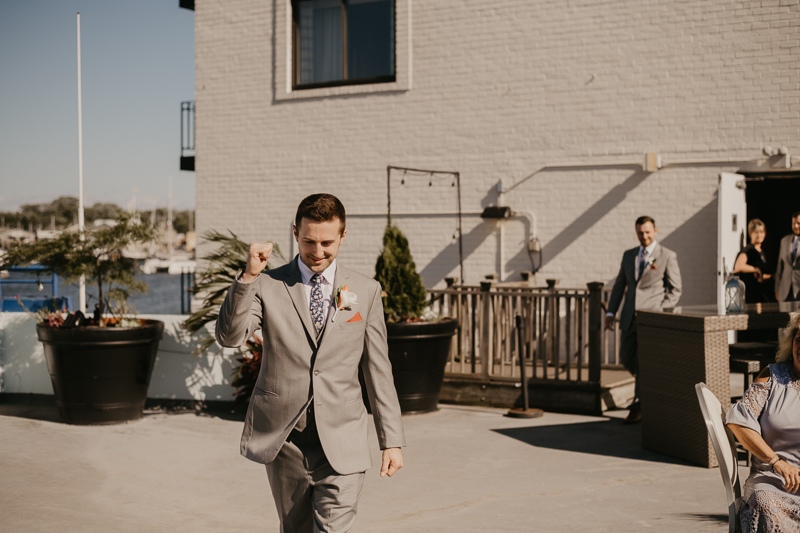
(725, 447)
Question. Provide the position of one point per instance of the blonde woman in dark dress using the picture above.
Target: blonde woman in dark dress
(751, 265)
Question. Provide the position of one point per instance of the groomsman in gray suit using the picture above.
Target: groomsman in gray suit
(787, 273)
(649, 278)
(306, 420)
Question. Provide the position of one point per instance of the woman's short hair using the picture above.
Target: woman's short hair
(785, 348)
(754, 225)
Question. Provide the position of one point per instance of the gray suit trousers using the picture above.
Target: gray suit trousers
(629, 355)
(309, 495)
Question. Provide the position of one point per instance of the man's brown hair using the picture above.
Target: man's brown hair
(321, 208)
(644, 220)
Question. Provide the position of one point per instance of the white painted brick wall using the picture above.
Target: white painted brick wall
(501, 89)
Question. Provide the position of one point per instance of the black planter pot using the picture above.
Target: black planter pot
(418, 352)
(101, 375)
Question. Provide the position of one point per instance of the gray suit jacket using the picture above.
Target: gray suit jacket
(296, 364)
(659, 286)
(787, 272)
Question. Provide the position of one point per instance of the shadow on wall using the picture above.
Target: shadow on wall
(697, 239)
(591, 216)
(447, 259)
(22, 364)
(180, 375)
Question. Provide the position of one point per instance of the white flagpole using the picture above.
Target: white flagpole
(82, 292)
(169, 219)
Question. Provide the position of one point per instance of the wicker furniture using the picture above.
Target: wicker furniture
(750, 358)
(679, 349)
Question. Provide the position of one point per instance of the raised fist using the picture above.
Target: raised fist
(259, 255)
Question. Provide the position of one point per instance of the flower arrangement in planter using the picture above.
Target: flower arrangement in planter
(419, 342)
(100, 367)
(221, 268)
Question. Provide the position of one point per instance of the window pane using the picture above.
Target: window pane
(320, 41)
(370, 38)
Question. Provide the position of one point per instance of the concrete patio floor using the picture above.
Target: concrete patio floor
(467, 470)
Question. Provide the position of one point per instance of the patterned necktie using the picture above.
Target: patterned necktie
(642, 263)
(795, 240)
(316, 306)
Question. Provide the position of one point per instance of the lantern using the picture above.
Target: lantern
(734, 295)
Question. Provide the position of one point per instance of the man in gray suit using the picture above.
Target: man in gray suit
(650, 279)
(306, 420)
(787, 272)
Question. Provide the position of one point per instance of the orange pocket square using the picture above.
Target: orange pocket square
(356, 318)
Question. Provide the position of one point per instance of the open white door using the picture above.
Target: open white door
(731, 228)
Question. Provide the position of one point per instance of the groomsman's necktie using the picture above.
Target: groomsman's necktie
(317, 308)
(795, 241)
(642, 263)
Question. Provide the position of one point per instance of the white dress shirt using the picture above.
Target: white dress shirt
(328, 277)
(650, 248)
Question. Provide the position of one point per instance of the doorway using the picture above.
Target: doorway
(772, 200)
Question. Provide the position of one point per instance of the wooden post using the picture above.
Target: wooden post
(595, 329)
(552, 326)
(486, 329)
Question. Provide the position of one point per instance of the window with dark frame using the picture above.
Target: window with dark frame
(342, 42)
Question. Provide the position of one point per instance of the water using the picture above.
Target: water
(163, 297)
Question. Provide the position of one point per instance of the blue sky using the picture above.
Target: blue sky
(137, 61)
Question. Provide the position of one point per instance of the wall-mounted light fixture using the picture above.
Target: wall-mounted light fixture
(494, 212)
(497, 212)
(652, 162)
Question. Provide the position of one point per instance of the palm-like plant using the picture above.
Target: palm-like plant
(222, 266)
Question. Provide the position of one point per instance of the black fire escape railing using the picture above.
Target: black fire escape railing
(187, 135)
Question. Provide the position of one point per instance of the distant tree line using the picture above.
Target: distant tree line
(63, 212)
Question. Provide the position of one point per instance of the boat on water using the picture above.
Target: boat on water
(172, 266)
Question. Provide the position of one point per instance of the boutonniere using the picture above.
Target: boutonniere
(343, 299)
(652, 264)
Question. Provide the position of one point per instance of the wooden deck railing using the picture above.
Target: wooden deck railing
(563, 335)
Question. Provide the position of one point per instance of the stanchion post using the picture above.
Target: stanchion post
(595, 329)
(525, 411)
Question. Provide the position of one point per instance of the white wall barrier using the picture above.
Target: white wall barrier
(177, 374)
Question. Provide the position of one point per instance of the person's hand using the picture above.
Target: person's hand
(610, 322)
(758, 275)
(392, 461)
(259, 255)
(790, 475)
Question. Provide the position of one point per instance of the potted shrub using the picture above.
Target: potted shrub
(419, 344)
(220, 269)
(100, 367)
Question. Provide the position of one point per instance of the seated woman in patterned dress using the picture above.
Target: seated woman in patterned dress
(766, 421)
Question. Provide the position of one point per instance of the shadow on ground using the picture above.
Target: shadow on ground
(45, 413)
(43, 407)
(708, 518)
(608, 437)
